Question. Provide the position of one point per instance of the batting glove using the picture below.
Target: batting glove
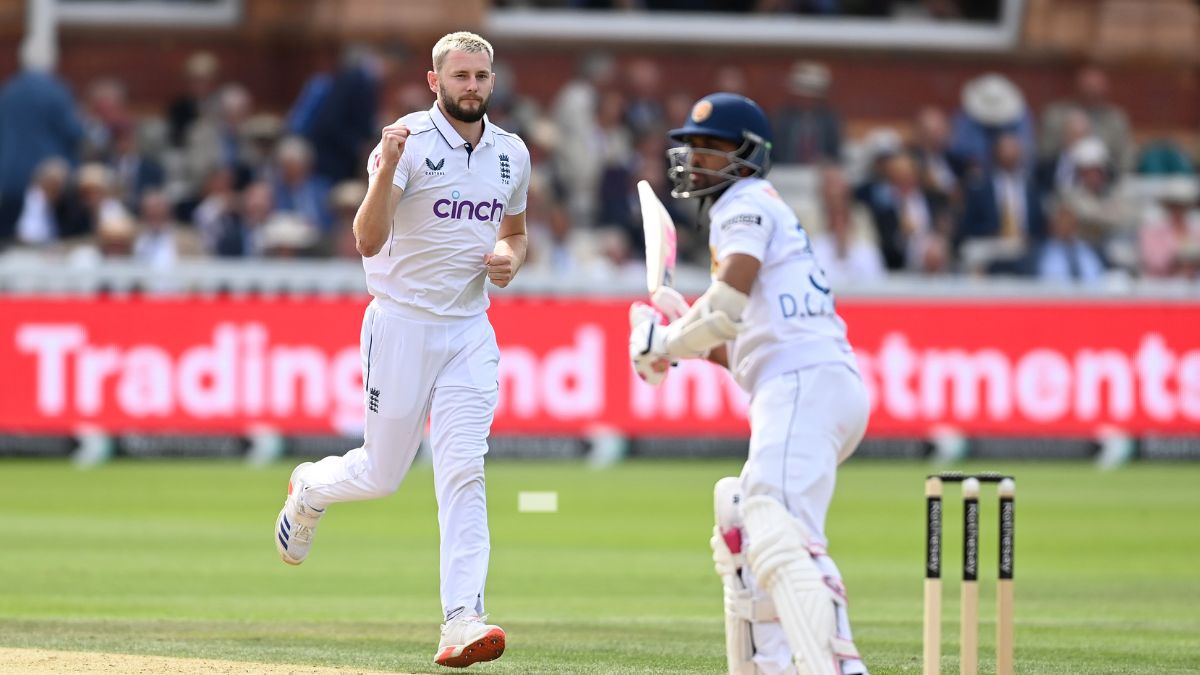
(647, 336)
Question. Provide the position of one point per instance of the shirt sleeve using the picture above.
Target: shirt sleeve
(520, 195)
(400, 179)
(742, 228)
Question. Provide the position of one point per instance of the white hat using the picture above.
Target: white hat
(1179, 190)
(882, 141)
(287, 230)
(1089, 152)
(809, 78)
(993, 100)
(348, 194)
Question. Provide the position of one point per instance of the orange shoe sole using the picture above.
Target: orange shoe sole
(487, 648)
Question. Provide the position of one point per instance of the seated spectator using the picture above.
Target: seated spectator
(186, 109)
(44, 201)
(992, 106)
(612, 259)
(134, 171)
(344, 200)
(217, 210)
(94, 201)
(615, 145)
(911, 224)
(576, 153)
(286, 235)
(1056, 172)
(216, 141)
(940, 170)
(508, 108)
(112, 239)
(105, 114)
(1170, 233)
(261, 134)
(1108, 121)
(296, 189)
(549, 226)
(844, 248)
(115, 235)
(1064, 256)
(162, 241)
(807, 129)
(242, 229)
(643, 110)
(1164, 157)
(1003, 211)
(1103, 204)
(880, 145)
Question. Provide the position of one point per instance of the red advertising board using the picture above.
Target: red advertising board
(227, 365)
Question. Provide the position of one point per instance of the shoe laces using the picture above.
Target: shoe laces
(302, 534)
(306, 512)
(471, 619)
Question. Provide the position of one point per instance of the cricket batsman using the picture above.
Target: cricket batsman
(768, 317)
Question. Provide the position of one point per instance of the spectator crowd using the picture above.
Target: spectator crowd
(989, 188)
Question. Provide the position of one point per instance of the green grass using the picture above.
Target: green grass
(175, 558)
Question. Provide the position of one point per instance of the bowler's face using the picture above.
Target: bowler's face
(464, 83)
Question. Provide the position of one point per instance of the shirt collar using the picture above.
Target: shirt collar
(452, 136)
(733, 190)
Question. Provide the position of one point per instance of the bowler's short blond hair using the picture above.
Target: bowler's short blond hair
(463, 41)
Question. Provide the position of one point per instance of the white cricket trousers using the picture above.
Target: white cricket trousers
(803, 424)
(444, 371)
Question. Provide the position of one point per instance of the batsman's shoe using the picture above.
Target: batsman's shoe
(297, 522)
(469, 640)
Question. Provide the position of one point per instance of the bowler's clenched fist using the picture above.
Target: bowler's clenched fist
(499, 268)
(392, 143)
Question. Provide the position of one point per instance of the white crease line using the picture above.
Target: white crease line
(537, 502)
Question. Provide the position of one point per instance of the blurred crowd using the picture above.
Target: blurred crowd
(987, 188)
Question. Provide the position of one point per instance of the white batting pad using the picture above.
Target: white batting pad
(739, 644)
(778, 555)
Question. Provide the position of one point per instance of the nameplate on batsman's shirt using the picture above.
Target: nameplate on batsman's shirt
(537, 502)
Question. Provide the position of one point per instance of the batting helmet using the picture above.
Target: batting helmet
(729, 117)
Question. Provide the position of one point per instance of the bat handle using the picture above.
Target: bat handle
(669, 301)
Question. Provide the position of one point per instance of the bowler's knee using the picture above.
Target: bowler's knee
(459, 470)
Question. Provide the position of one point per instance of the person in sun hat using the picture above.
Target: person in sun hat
(992, 106)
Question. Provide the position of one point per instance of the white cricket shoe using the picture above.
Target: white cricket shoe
(297, 522)
(467, 640)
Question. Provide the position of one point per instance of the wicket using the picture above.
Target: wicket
(969, 603)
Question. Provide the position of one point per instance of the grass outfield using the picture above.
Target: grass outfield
(176, 559)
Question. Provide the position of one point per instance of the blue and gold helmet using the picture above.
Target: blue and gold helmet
(729, 117)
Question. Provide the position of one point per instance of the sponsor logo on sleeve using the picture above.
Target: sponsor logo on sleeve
(740, 220)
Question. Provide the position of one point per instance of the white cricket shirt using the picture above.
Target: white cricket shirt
(790, 321)
(431, 265)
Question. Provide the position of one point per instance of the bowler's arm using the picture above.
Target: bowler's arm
(509, 253)
(373, 222)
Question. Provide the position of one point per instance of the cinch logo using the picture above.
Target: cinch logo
(467, 210)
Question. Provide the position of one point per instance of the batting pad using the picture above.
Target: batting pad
(739, 645)
(778, 555)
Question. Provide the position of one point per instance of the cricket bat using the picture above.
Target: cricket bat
(660, 254)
